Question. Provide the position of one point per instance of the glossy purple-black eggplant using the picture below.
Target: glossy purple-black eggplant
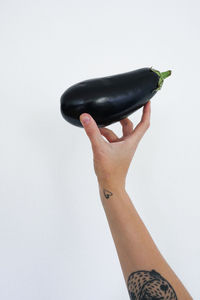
(112, 98)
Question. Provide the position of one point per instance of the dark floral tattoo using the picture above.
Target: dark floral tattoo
(149, 285)
(107, 193)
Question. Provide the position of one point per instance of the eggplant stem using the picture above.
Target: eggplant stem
(162, 76)
(166, 74)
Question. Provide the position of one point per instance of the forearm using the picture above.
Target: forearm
(135, 247)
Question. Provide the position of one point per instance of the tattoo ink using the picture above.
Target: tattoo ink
(149, 285)
(107, 193)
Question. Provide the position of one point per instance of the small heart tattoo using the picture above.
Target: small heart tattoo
(107, 193)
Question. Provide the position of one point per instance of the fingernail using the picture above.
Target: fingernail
(85, 120)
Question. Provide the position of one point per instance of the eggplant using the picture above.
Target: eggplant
(112, 98)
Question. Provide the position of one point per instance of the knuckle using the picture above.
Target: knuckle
(125, 122)
(129, 122)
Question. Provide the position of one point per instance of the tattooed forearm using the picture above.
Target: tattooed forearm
(107, 193)
(146, 285)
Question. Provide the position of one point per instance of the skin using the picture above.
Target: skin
(146, 272)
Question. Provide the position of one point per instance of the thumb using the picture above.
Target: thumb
(91, 129)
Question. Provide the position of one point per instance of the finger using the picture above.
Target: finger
(91, 129)
(109, 135)
(127, 126)
(144, 124)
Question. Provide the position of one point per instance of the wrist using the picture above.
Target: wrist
(111, 185)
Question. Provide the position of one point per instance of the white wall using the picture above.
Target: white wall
(55, 242)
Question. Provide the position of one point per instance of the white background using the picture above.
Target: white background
(55, 242)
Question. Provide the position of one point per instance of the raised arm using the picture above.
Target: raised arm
(146, 272)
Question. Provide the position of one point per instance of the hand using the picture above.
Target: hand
(112, 157)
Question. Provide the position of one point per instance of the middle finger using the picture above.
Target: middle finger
(127, 126)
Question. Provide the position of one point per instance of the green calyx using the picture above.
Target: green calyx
(162, 76)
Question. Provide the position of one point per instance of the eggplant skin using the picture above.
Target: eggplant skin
(109, 99)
